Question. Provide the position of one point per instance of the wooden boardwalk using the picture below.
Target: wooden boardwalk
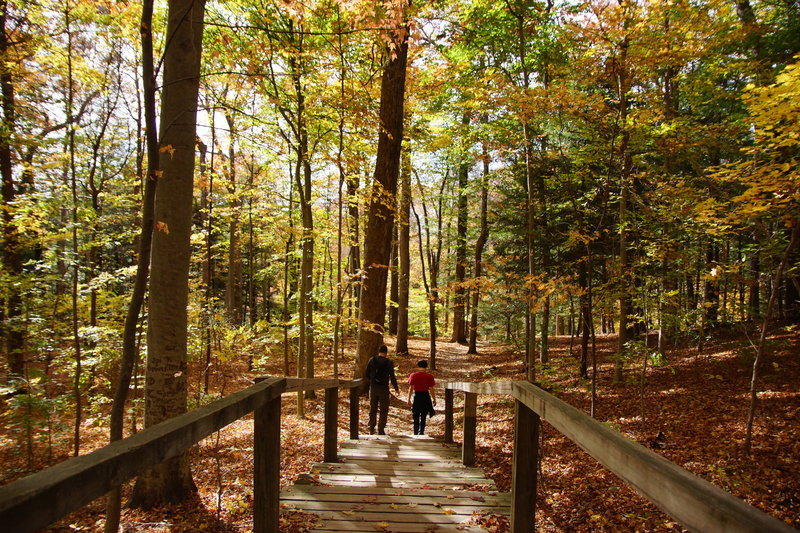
(399, 484)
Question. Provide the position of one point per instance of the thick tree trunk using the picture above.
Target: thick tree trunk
(166, 379)
(13, 333)
(378, 236)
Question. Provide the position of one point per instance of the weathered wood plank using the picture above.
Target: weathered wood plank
(391, 503)
(695, 503)
(470, 428)
(491, 387)
(267, 467)
(448, 415)
(400, 469)
(331, 424)
(414, 516)
(355, 526)
(380, 493)
(524, 468)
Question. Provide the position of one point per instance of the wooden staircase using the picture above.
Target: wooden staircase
(400, 484)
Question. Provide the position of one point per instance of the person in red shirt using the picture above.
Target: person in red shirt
(421, 384)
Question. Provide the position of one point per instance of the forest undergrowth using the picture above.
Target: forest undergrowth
(695, 406)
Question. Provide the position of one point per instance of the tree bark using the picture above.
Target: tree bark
(377, 240)
(129, 344)
(166, 380)
(404, 255)
(13, 333)
(762, 342)
(459, 294)
(479, 245)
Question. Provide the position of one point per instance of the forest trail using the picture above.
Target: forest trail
(396, 483)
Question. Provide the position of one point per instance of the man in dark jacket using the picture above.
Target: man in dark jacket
(379, 373)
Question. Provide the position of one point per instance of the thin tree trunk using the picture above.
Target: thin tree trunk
(762, 341)
(130, 348)
(404, 252)
(479, 245)
(459, 294)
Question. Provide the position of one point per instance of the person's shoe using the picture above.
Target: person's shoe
(381, 432)
(371, 431)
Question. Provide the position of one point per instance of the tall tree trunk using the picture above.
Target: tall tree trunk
(166, 379)
(404, 254)
(382, 201)
(625, 164)
(479, 245)
(12, 330)
(459, 294)
(394, 281)
(233, 283)
(130, 348)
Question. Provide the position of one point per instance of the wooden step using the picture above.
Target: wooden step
(402, 484)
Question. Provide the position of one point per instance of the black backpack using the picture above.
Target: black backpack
(381, 370)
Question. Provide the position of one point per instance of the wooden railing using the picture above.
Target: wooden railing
(42, 498)
(695, 503)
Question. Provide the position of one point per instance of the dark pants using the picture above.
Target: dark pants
(421, 407)
(378, 403)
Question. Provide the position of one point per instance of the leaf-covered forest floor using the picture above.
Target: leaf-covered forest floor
(695, 407)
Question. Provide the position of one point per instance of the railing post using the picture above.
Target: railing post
(448, 416)
(267, 467)
(524, 469)
(331, 424)
(354, 413)
(470, 426)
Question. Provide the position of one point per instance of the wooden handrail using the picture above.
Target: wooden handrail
(38, 500)
(695, 503)
(487, 387)
(308, 384)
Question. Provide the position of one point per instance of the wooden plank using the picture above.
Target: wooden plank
(402, 468)
(524, 469)
(431, 516)
(448, 415)
(470, 428)
(489, 387)
(410, 485)
(439, 478)
(356, 526)
(391, 503)
(331, 424)
(428, 493)
(695, 503)
(395, 456)
(36, 501)
(307, 384)
(370, 461)
(267, 467)
(399, 481)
